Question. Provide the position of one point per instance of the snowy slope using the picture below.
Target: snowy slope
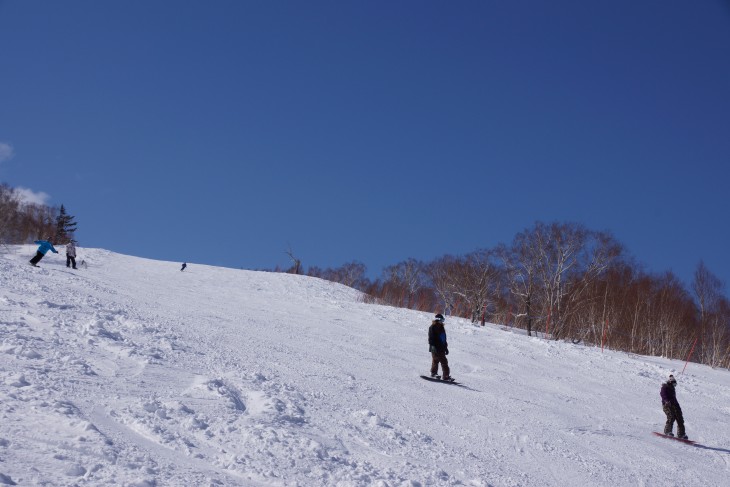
(133, 373)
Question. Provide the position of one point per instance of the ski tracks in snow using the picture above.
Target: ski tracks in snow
(132, 373)
(120, 398)
(58, 352)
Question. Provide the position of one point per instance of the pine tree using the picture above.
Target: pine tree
(65, 227)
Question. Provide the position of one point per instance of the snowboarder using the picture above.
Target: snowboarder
(672, 409)
(71, 254)
(439, 348)
(44, 246)
(183, 267)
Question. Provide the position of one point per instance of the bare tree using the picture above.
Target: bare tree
(351, 274)
(583, 308)
(719, 353)
(521, 261)
(709, 291)
(9, 205)
(441, 273)
(579, 279)
(478, 281)
(407, 276)
(296, 267)
(559, 246)
(23, 222)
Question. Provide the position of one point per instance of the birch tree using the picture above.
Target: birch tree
(709, 292)
(408, 276)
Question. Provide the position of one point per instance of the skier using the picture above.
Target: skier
(71, 254)
(439, 348)
(672, 409)
(183, 266)
(44, 246)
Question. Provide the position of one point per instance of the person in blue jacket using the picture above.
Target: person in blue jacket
(44, 246)
(439, 348)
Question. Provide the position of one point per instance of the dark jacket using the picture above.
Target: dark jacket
(437, 338)
(669, 396)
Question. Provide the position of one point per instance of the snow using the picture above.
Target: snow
(131, 372)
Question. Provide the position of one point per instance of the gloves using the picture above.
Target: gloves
(446, 352)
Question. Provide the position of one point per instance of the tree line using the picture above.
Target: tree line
(562, 281)
(22, 222)
(558, 280)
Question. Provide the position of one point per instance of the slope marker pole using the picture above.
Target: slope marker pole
(690, 354)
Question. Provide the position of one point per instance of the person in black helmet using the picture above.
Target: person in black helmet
(439, 348)
(671, 408)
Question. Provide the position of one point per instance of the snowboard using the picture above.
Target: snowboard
(689, 442)
(438, 379)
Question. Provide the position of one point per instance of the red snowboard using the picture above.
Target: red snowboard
(689, 442)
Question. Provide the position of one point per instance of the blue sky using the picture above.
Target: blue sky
(227, 132)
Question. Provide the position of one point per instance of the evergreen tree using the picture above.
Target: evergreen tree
(65, 227)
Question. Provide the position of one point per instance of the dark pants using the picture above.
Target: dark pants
(674, 413)
(439, 358)
(70, 260)
(37, 258)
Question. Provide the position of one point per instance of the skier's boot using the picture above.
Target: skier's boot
(435, 375)
(448, 379)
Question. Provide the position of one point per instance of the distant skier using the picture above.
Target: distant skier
(71, 254)
(44, 246)
(183, 267)
(439, 348)
(672, 409)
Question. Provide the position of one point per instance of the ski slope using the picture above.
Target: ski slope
(131, 372)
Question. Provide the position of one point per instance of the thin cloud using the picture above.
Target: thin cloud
(6, 152)
(28, 196)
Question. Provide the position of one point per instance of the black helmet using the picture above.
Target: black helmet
(672, 380)
(439, 317)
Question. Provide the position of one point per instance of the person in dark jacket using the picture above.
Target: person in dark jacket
(672, 409)
(44, 246)
(183, 266)
(439, 348)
